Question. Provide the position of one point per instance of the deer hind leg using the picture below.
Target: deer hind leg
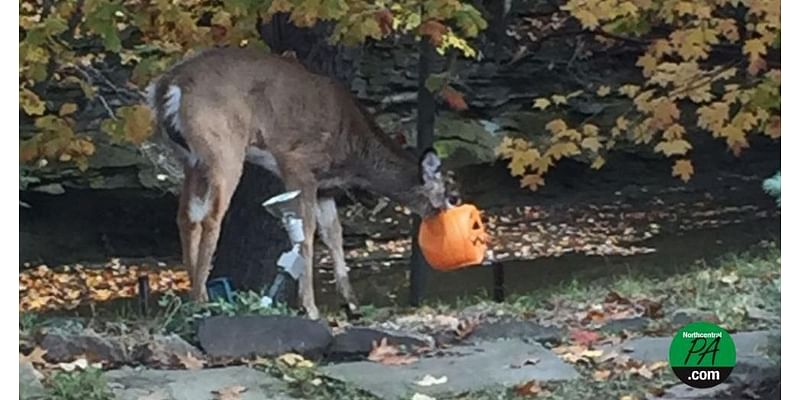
(188, 226)
(222, 178)
(330, 231)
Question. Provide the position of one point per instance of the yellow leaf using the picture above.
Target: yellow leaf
(559, 99)
(67, 109)
(591, 143)
(660, 48)
(506, 148)
(588, 19)
(598, 162)
(673, 147)
(590, 130)
(648, 62)
(622, 123)
(555, 126)
(562, 149)
(773, 128)
(603, 90)
(521, 160)
(754, 48)
(629, 90)
(541, 103)
(532, 181)
(665, 112)
(569, 134)
(675, 131)
(137, 123)
(683, 169)
(30, 102)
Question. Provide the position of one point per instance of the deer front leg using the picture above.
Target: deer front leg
(330, 231)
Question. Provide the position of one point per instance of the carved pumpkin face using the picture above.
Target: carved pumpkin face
(454, 238)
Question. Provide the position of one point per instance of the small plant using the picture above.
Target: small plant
(181, 317)
(87, 384)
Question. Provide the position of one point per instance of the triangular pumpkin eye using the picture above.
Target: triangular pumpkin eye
(476, 225)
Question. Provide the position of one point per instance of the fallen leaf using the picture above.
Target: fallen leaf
(36, 356)
(229, 393)
(531, 388)
(430, 380)
(601, 374)
(466, 327)
(191, 362)
(584, 337)
(387, 354)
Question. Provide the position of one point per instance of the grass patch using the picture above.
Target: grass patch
(87, 384)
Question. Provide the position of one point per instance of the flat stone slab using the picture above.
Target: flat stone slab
(268, 336)
(132, 384)
(748, 345)
(482, 365)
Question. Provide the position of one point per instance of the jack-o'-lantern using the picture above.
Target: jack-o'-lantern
(454, 238)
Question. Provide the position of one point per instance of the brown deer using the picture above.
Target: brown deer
(224, 107)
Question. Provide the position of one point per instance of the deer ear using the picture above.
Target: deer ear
(430, 165)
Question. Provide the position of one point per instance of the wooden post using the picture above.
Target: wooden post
(425, 121)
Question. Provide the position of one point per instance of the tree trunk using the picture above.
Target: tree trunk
(426, 107)
(252, 240)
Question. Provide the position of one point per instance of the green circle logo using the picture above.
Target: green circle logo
(702, 355)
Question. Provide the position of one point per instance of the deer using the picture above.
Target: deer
(223, 107)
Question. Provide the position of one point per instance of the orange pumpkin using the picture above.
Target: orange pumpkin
(454, 238)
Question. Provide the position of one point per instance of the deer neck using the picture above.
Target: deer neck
(388, 169)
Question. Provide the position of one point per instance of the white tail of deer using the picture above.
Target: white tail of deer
(227, 106)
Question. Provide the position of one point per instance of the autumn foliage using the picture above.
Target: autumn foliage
(65, 43)
(709, 65)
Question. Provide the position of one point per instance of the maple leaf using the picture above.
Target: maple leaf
(664, 112)
(454, 98)
(629, 90)
(189, 361)
(520, 160)
(558, 99)
(562, 149)
(590, 130)
(675, 131)
(673, 147)
(584, 337)
(598, 162)
(603, 90)
(36, 356)
(531, 388)
(541, 103)
(555, 126)
(601, 375)
(387, 354)
(683, 169)
(532, 181)
(435, 30)
(591, 143)
(506, 148)
(648, 62)
(229, 392)
(773, 127)
(385, 20)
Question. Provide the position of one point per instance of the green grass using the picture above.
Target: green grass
(87, 384)
(731, 287)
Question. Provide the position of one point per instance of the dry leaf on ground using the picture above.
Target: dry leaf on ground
(532, 389)
(189, 361)
(36, 356)
(387, 354)
(229, 393)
